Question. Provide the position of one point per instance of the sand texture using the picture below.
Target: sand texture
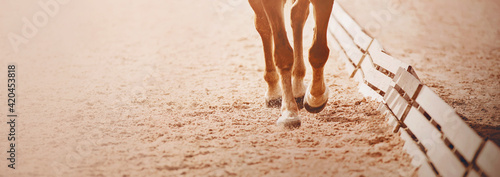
(170, 88)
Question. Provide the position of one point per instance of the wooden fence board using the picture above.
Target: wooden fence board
(464, 138)
(360, 37)
(488, 159)
(369, 92)
(389, 117)
(391, 120)
(418, 156)
(359, 76)
(426, 171)
(352, 51)
(349, 66)
(396, 102)
(384, 60)
(382, 108)
(332, 42)
(407, 82)
(446, 163)
(389, 97)
(386, 111)
(473, 173)
(373, 76)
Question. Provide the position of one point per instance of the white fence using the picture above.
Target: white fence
(438, 140)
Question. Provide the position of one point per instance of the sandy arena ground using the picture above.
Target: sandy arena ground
(169, 88)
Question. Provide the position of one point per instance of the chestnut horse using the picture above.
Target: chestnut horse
(288, 63)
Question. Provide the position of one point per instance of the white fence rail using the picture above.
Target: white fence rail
(438, 140)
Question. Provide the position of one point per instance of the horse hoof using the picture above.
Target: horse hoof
(314, 109)
(315, 104)
(300, 102)
(288, 120)
(274, 103)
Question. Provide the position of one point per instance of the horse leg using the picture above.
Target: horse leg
(273, 94)
(317, 92)
(299, 14)
(283, 58)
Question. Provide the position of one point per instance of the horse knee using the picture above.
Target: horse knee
(318, 54)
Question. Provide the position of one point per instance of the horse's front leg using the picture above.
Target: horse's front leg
(273, 93)
(283, 58)
(317, 92)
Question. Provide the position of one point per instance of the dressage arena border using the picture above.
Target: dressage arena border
(438, 140)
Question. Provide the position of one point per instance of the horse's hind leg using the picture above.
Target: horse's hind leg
(273, 94)
(317, 92)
